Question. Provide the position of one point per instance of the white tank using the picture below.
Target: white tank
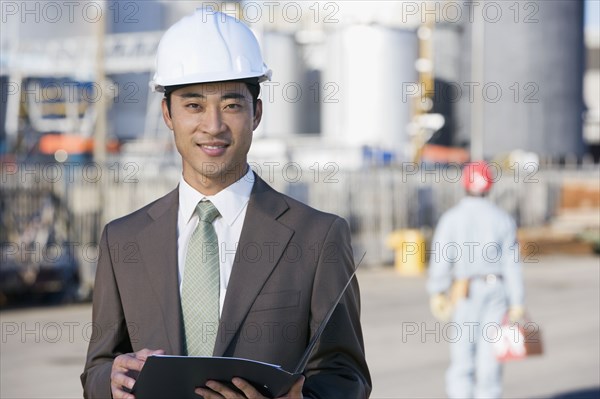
(283, 96)
(369, 72)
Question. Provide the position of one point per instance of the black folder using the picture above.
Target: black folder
(178, 376)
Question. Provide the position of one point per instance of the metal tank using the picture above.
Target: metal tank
(447, 42)
(283, 96)
(533, 72)
(365, 86)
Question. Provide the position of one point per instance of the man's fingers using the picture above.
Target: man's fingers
(247, 388)
(118, 393)
(144, 353)
(119, 380)
(295, 391)
(207, 393)
(224, 391)
(128, 362)
(135, 361)
(122, 365)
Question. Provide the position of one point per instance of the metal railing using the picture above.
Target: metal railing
(374, 201)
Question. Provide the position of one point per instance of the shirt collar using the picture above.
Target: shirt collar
(229, 202)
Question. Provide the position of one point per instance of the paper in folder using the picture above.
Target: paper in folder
(178, 376)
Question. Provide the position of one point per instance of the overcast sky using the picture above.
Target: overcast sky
(592, 13)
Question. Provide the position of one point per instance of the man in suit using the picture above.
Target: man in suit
(280, 263)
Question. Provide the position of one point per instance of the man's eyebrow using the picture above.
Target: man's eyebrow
(191, 95)
(226, 96)
(233, 96)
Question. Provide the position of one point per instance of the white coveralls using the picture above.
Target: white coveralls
(476, 240)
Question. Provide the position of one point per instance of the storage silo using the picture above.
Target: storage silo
(365, 86)
(447, 41)
(282, 96)
(533, 73)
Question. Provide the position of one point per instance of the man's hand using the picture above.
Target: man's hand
(516, 313)
(220, 391)
(124, 364)
(441, 307)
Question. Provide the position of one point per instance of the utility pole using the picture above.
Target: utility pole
(100, 107)
(477, 76)
(100, 126)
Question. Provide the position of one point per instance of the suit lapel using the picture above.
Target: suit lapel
(262, 242)
(158, 244)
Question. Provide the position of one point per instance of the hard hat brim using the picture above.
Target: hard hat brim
(158, 85)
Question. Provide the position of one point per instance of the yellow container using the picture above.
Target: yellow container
(409, 247)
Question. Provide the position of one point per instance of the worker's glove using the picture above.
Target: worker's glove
(440, 307)
(516, 313)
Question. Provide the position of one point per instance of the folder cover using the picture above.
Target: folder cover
(178, 376)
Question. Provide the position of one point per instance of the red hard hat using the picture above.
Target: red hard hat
(477, 177)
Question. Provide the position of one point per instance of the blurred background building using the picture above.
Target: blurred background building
(350, 77)
(371, 102)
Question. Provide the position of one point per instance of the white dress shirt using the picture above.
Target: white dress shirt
(231, 203)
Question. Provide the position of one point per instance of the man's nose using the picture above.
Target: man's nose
(212, 121)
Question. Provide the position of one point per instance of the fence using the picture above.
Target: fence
(375, 201)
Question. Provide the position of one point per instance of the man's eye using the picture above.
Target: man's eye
(193, 106)
(233, 106)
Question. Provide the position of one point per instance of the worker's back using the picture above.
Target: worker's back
(473, 238)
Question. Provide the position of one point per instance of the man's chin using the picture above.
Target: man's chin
(219, 172)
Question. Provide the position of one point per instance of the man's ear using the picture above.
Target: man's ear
(257, 114)
(166, 114)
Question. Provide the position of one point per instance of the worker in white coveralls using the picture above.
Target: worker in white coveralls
(475, 279)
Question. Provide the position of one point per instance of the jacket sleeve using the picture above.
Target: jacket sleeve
(337, 367)
(109, 337)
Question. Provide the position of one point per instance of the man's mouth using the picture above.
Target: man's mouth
(213, 149)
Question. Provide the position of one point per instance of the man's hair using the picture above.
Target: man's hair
(251, 83)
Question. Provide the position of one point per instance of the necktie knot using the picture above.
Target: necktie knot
(206, 211)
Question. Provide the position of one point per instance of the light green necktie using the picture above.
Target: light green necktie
(200, 291)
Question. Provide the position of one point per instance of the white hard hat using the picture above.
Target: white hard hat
(207, 46)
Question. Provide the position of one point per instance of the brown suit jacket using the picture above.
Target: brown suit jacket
(291, 263)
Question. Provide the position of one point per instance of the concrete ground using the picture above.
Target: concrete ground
(42, 349)
(408, 354)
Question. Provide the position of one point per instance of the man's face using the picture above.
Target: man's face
(213, 125)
